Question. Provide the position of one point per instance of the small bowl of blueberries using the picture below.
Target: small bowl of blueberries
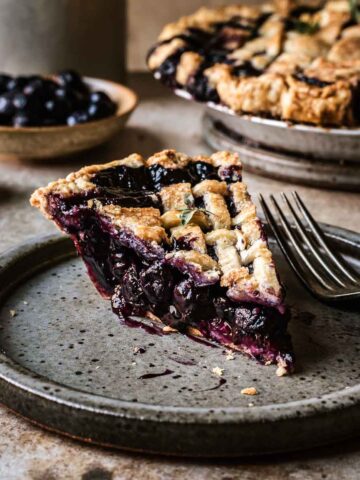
(52, 116)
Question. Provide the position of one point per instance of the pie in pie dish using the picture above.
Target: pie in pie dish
(293, 60)
(176, 239)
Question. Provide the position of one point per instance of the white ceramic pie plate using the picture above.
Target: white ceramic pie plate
(331, 144)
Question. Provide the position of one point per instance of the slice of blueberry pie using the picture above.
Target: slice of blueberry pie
(176, 239)
(267, 60)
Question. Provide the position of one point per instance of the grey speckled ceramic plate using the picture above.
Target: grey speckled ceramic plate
(68, 364)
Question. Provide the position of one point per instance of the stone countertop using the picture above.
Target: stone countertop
(27, 452)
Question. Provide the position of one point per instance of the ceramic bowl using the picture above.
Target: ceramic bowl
(57, 141)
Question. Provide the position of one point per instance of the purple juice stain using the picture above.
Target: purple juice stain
(147, 376)
(222, 382)
(203, 341)
(152, 329)
(183, 360)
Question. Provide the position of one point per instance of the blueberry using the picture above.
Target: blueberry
(23, 119)
(246, 69)
(99, 97)
(4, 80)
(31, 104)
(57, 109)
(131, 288)
(120, 263)
(220, 330)
(231, 173)
(218, 55)
(121, 306)
(252, 318)
(6, 104)
(77, 117)
(224, 309)
(200, 171)
(197, 37)
(116, 179)
(100, 110)
(184, 295)
(41, 87)
(67, 77)
(16, 83)
(201, 90)
(20, 101)
(70, 78)
(101, 105)
(156, 282)
(75, 99)
(162, 176)
(167, 69)
(61, 92)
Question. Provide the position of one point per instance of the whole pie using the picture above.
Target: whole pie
(293, 60)
(176, 239)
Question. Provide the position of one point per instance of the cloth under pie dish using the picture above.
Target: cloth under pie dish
(176, 239)
(297, 61)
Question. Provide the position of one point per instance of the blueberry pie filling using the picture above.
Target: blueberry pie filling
(176, 239)
(293, 60)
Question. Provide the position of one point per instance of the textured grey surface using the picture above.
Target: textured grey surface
(27, 452)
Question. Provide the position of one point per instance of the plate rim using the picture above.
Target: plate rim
(100, 404)
(271, 122)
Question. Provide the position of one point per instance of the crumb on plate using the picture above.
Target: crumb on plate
(168, 329)
(230, 355)
(218, 371)
(249, 391)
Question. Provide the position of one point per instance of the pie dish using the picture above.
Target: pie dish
(176, 239)
(297, 61)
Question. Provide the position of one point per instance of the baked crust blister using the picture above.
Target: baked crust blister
(265, 60)
(191, 214)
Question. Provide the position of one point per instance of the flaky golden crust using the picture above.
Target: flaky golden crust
(255, 95)
(189, 64)
(328, 105)
(328, 71)
(79, 182)
(145, 223)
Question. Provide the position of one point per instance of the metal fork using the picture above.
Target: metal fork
(323, 272)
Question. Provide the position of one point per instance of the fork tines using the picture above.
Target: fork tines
(325, 273)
